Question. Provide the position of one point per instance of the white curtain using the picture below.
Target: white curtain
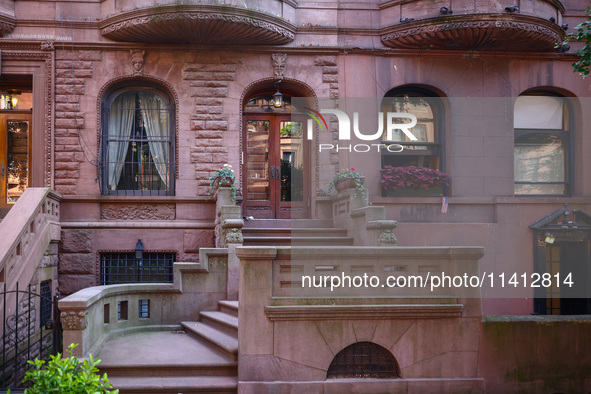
(120, 126)
(156, 123)
(539, 112)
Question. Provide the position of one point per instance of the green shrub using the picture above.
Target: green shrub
(67, 376)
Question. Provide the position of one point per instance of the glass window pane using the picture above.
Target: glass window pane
(539, 158)
(539, 112)
(292, 166)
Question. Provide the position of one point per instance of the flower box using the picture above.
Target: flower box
(412, 181)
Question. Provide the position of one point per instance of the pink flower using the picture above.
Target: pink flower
(352, 169)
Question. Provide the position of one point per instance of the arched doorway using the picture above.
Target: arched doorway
(275, 173)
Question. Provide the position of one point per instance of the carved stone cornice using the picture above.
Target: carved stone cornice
(7, 24)
(501, 32)
(197, 24)
(73, 320)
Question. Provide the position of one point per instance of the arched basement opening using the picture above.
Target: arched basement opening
(364, 360)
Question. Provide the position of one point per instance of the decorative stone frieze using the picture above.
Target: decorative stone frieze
(138, 211)
(73, 320)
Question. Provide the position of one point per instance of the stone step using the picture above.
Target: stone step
(295, 232)
(229, 368)
(297, 241)
(227, 344)
(287, 223)
(222, 321)
(163, 354)
(229, 307)
(176, 385)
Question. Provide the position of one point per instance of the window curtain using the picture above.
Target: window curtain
(539, 112)
(120, 127)
(156, 123)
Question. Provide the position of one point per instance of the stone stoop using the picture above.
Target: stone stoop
(200, 357)
(218, 328)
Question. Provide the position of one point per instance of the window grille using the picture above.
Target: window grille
(124, 268)
(46, 302)
(364, 360)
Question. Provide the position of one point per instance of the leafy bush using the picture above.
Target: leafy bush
(583, 35)
(67, 376)
(394, 178)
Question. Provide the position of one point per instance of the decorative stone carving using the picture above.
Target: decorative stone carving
(74, 320)
(47, 46)
(387, 238)
(278, 65)
(234, 236)
(477, 32)
(138, 211)
(137, 61)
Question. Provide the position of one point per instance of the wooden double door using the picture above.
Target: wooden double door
(275, 167)
(15, 159)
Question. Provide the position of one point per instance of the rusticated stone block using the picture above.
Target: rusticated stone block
(330, 78)
(195, 239)
(65, 190)
(330, 70)
(76, 241)
(77, 263)
(71, 283)
(325, 61)
(83, 73)
(90, 55)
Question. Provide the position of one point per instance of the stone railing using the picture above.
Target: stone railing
(25, 234)
(367, 224)
(93, 315)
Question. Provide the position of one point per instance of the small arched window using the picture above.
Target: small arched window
(542, 145)
(137, 142)
(364, 360)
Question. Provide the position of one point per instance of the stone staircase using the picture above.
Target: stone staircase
(199, 357)
(294, 233)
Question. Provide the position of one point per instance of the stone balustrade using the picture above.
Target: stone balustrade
(26, 233)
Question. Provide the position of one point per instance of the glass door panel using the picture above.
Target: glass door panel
(15, 145)
(291, 156)
(258, 187)
(17, 167)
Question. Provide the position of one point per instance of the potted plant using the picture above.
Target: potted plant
(413, 179)
(348, 179)
(223, 177)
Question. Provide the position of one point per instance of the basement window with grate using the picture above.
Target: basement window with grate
(364, 360)
(124, 268)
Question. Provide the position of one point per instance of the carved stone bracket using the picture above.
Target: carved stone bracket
(387, 238)
(278, 60)
(137, 61)
(74, 321)
(48, 45)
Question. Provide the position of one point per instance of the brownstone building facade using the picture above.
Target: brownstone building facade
(128, 108)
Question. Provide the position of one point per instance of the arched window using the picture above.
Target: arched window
(137, 146)
(542, 145)
(426, 151)
(363, 360)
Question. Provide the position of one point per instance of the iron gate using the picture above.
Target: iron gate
(32, 331)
